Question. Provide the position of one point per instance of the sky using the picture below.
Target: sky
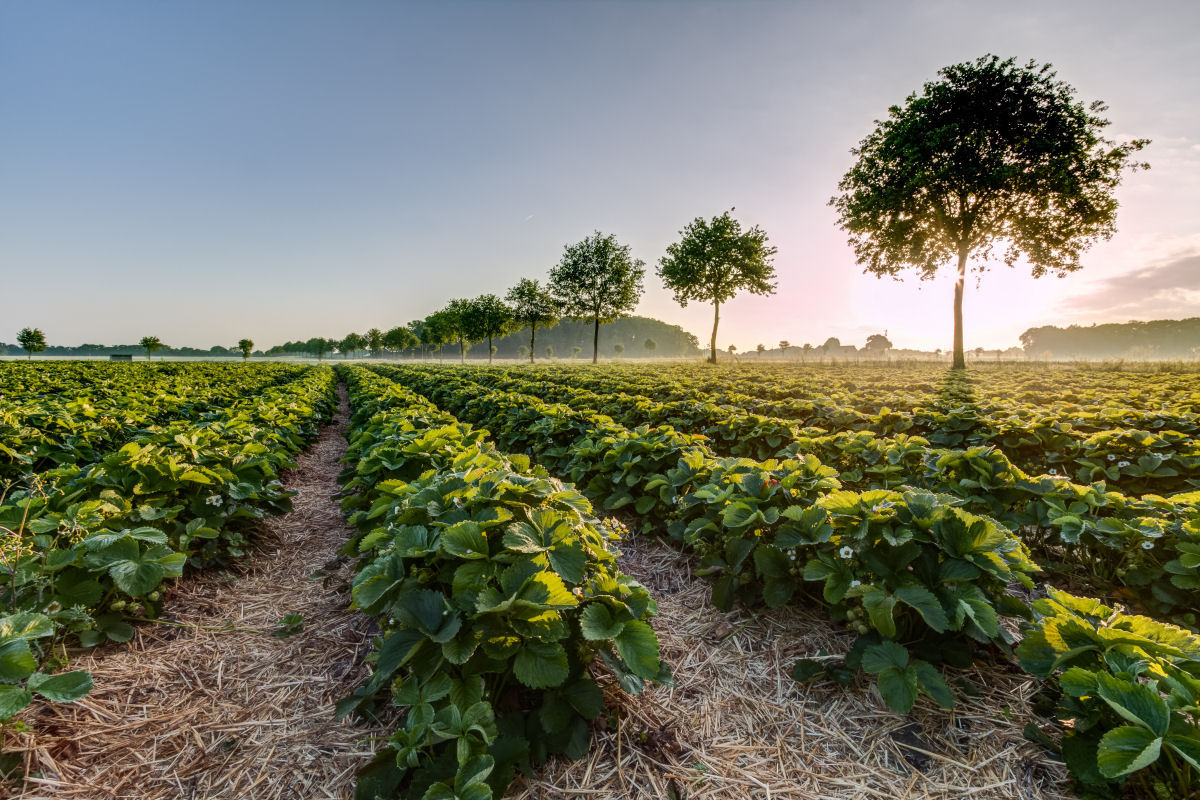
(208, 171)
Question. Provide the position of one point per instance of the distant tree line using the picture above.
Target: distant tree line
(1159, 339)
(139, 348)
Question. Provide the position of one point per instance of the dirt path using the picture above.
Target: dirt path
(190, 714)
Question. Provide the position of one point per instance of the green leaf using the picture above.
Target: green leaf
(1186, 746)
(585, 697)
(569, 561)
(926, 604)
(16, 661)
(61, 688)
(12, 700)
(465, 540)
(879, 606)
(137, 579)
(932, 682)
(899, 688)
(597, 623)
(26, 625)
(1136, 702)
(878, 657)
(1078, 682)
(638, 646)
(541, 665)
(1127, 749)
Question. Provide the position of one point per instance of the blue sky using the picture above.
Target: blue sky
(280, 170)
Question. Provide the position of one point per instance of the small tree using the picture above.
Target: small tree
(783, 347)
(732, 349)
(760, 349)
(618, 349)
(351, 344)
(151, 344)
(399, 338)
(374, 341)
(549, 351)
(576, 350)
(805, 351)
(32, 340)
(650, 346)
(532, 306)
(454, 321)
(597, 280)
(487, 317)
(713, 261)
(878, 343)
(993, 153)
(246, 346)
(436, 331)
(522, 351)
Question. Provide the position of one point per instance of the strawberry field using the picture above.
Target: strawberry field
(1036, 521)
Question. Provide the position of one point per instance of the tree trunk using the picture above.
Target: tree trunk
(489, 348)
(596, 341)
(532, 336)
(960, 361)
(712, 344)
(462, 351)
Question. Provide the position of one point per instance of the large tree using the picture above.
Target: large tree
(246, 346)
(532, 306)
(597, 280)
(990, 154)
(714, 260)
(32, 340)
(487, 317)
(151, 344)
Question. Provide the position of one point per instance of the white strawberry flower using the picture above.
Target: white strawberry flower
(214, 500)
(1112, 457)
(1147, 545)
(855, 583)
(846, 552)
(1122, 463)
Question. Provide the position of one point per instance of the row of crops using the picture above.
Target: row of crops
(922, 546)
(117, 478)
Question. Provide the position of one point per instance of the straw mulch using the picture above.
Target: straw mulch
(738, 726)
(186, 714)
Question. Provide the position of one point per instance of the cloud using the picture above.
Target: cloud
(1167, 290)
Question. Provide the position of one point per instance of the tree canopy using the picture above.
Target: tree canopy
(533, 306)
(713, 261)
(151, 344)
(246, 346)
(487, 317)
(598, 280)
(32, 340)
(991, 154)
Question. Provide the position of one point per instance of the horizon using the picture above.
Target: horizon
(309, 170)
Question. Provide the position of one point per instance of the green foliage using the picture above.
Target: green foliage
(597, 279)
(713, 261)
(533, 306)
(1130, 687)
(21, 635)
(32, 340)
(151, 344)
(246, 347)
(487, 317)
(95, 541)
(908, 567)
(494, 587)
(991, 153)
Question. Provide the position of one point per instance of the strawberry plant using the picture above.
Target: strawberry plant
(1128, 686)
(495, 590)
